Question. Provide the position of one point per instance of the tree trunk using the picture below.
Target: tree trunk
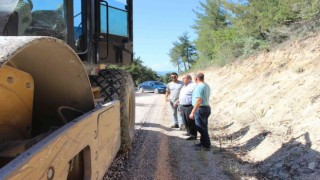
(185, 66)
(179, 70)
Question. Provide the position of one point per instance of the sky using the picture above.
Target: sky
(156, 25)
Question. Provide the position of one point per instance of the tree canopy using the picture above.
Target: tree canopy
(138, 71)
(183, 54)
(229, 30)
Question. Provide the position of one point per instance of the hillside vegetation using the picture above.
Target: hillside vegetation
(234, 30)
(266, 112)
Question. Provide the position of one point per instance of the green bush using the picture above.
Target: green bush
(138, 71)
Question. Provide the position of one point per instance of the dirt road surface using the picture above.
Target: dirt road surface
(160, 152)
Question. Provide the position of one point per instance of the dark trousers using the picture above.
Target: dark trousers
(190, 124)
(201, 120)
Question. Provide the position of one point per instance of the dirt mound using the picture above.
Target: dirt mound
(266, 111)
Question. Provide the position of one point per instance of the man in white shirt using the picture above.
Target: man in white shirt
(173, 91)
(185, 103)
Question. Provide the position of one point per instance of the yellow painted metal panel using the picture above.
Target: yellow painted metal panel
(16, 90)
(53, 154)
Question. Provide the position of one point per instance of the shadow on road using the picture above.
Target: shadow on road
(224, 127)
(155, 126)
(143, 94)
(294, 160)
(147, 94)
(143, 105)
(251, 144)
(234, 136)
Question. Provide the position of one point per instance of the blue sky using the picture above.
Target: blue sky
(157, 24)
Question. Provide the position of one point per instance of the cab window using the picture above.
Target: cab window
(47, 19)
(117, 19)
(79, 35)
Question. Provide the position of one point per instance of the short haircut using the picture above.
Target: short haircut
(188, 77)
(174, 74)
(200, 76)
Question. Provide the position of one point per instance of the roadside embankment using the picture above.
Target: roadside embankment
(266, 111)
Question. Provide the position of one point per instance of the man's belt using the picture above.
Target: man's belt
(187, 105)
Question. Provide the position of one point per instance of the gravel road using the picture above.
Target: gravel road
(160, 152)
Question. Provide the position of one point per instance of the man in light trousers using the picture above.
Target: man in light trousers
(173, 91)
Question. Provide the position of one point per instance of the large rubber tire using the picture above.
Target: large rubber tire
(118, 85)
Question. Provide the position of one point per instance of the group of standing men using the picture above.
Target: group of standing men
(192, 100)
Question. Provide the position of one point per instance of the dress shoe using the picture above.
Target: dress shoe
(175, 126)
(191, 138)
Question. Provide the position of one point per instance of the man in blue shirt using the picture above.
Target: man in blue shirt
(201, 110)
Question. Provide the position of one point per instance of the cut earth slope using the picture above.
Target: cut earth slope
(266, 111)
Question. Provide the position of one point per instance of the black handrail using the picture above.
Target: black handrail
(107, 23)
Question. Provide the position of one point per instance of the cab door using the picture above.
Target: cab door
(82, 29)
(114, 43)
